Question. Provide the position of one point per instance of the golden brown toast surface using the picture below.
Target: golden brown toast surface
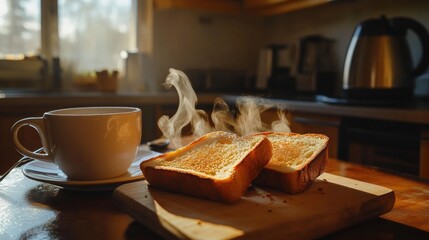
(297, 160)
(218, 166)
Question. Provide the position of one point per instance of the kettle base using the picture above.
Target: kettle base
(396, 94)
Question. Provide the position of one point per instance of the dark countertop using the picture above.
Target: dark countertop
(415, 112)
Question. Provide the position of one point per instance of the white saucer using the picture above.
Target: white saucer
(49, 173)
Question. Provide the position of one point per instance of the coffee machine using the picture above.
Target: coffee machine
(274, 75)
(316, 68)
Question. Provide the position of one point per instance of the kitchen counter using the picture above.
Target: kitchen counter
(32, 209)
(9, 101)
(412, 113)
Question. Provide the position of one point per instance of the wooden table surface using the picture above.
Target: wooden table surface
(34, 210)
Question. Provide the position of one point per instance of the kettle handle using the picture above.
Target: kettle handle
(401, 24)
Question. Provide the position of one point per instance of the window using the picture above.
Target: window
(92, 34)
(19, 28)
(86, 35)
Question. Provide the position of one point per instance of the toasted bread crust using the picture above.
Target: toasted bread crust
(295, 181)
(226, 190)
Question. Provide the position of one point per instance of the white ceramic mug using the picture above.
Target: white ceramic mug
(88, 143)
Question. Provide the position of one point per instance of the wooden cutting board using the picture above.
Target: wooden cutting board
(331, 203)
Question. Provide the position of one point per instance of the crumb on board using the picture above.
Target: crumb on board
(199, 222)
(270, 196)
(284, 201)
(269, 210)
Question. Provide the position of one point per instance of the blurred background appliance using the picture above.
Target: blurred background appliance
(138, 68)
(274, 69)
(316, 68)
(378, 63)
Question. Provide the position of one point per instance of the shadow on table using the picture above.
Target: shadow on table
(379, 228)
(82, 215)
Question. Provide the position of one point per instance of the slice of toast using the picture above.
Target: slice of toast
(297, 160)
(218, 166)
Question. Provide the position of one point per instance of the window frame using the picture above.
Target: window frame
(142, 11)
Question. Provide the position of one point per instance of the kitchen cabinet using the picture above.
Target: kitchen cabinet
(390, 145)
(274, 7)
(222, 6)
(250, 7)
(424, 155)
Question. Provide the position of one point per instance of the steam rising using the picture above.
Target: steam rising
(246, 121)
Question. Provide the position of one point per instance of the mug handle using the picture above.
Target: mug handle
(38, 124)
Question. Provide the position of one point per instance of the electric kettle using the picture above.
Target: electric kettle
(378, 63)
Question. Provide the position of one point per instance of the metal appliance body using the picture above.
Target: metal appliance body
(378, 61)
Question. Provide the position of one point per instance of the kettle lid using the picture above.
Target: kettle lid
(377, 27)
